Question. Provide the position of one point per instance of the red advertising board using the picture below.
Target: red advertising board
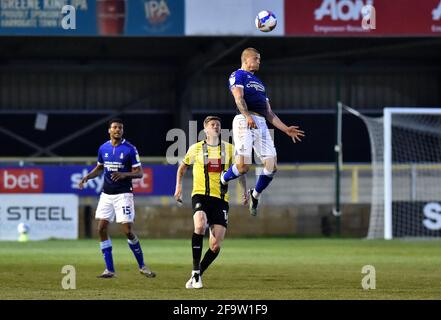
(345, 17)
(145, 184)
(21, 181)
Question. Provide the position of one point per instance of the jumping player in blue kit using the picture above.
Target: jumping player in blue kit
(250, 130)
(121, 163)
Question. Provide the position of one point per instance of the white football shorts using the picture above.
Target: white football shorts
(119, 205)
(245, 139)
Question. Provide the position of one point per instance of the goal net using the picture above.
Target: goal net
(406, 172)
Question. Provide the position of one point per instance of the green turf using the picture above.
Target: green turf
(245, 269)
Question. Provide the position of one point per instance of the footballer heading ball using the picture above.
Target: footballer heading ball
(266, 21)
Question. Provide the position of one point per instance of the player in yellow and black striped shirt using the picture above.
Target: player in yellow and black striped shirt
(209, 197)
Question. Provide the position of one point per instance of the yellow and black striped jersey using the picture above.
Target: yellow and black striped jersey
(208, 163)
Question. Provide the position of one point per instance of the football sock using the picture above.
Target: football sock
(264, 180)
(137, 251)
(196, 245)
(208, 259)
(231, 174)
(106, 249)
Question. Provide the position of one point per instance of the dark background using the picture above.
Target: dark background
(156, 84)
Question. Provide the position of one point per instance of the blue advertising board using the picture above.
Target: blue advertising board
(92, 17)
(155, 17)
(158, 180)
(41, 17)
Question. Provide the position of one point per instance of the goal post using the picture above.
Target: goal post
(411, 126)
(406, 172)
(387, 167)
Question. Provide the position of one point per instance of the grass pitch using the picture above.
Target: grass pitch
(245, 269)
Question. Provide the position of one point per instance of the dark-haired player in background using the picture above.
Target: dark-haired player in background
(121, 163)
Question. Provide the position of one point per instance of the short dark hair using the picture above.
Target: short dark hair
(209, 118)
(117, 120)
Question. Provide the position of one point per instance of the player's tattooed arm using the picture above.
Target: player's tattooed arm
(240, 101)
(242, 106)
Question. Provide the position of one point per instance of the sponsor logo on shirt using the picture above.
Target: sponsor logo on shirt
(256, 85)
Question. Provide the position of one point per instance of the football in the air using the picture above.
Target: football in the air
(266, 21)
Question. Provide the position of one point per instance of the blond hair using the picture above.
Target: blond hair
(247, 52)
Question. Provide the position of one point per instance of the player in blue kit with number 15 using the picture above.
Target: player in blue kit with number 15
(121, 163)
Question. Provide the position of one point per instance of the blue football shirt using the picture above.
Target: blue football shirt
(121, 158)
(253, 88)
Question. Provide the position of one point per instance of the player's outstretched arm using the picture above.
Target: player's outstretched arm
(179, 175)
(97, 171)
(293, 131)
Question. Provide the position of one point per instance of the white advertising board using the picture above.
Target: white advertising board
(49, 216)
